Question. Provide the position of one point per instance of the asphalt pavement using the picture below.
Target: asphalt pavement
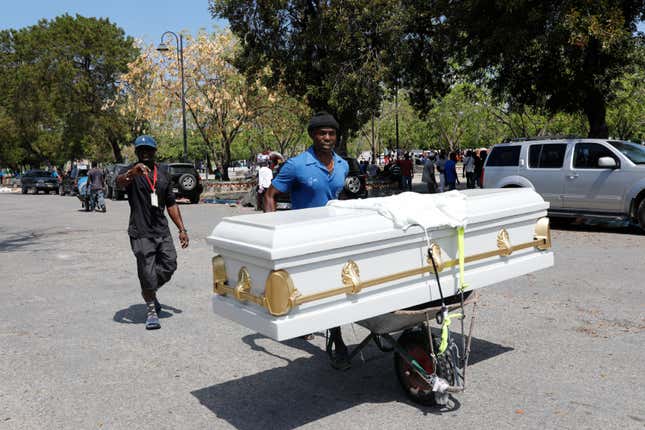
(563, 348)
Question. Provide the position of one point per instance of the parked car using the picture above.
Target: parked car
(355, 185)
(111, 172)
(600, 178)
(68, 183)
(39, 180)
(186, 182)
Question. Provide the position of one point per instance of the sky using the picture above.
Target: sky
(141, 19)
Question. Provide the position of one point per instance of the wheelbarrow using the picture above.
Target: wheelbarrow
(429, 365)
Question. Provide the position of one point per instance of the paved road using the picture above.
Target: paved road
(562, 348)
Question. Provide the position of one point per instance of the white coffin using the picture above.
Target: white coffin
(304, 253)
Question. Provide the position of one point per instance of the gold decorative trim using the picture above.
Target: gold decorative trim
(241, 291)
(351, 277)
(504, 243)
(436, 256)
(543, 232)
(219, 275)
(280, 295)
(243, 287)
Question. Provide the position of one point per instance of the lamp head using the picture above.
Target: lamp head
(163, 47)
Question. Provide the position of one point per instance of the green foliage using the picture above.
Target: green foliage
(334, 54)
(557, 56)
(57, 80)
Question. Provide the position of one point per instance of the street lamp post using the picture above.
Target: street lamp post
(180, 56)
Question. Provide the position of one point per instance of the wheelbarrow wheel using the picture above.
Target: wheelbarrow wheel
(415, 343)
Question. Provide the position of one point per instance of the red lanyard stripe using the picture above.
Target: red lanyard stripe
(153, 185)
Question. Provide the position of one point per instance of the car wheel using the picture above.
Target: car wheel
(194, 199)
(187, 182)
(353, 184)
(24, 190)
(641, 214)
(108, 192)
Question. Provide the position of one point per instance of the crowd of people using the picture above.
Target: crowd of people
(446, 168)
(439, 169)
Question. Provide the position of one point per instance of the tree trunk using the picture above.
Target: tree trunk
(341, 142)
(595, 110)
(116, 149)
(227, 159)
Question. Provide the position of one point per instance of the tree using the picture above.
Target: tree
(220, 101)
(556, 55)
(58, 78)
(334, 54)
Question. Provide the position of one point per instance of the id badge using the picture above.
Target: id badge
(153, 200)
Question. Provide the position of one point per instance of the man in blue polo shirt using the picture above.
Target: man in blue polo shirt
(313, 178)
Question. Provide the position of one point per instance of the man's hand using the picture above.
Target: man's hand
(183, 239)
(139, 169)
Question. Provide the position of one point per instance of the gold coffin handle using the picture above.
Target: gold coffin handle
(219, 275)
(279, 292)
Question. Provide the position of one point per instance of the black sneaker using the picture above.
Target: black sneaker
(152, 322)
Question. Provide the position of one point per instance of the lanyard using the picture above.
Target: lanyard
(153, 184)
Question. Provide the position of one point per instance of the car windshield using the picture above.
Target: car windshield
(636, 153)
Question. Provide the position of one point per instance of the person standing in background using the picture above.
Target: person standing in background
(406, 172)
(441, 168)
(469, 169)
(479, 168)
(451, 172)
(428, 175)
(265, 175)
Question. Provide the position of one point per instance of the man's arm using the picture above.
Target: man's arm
(269, 199)
(124, 179)
(175, 216)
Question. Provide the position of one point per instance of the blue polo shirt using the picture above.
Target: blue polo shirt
(310, 183)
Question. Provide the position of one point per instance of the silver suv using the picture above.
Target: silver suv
(578, 177)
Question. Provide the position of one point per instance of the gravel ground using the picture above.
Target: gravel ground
(561, 348)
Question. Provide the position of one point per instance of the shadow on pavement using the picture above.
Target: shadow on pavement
(20, 240)
(595, 226)
(136, 314)
(307, 389)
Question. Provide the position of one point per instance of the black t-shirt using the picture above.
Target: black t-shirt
(145, 219)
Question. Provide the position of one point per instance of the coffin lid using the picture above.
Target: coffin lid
(288, 234)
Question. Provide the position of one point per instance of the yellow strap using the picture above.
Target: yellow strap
(460, 251)
(444, 331)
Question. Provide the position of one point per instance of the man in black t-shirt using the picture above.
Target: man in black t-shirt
(149, 192)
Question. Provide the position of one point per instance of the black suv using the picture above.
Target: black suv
(356, 181)
(185, 180)
(39, 180)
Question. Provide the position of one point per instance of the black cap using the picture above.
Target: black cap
(320, 120)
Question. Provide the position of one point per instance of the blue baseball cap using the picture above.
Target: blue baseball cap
(145, 140)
